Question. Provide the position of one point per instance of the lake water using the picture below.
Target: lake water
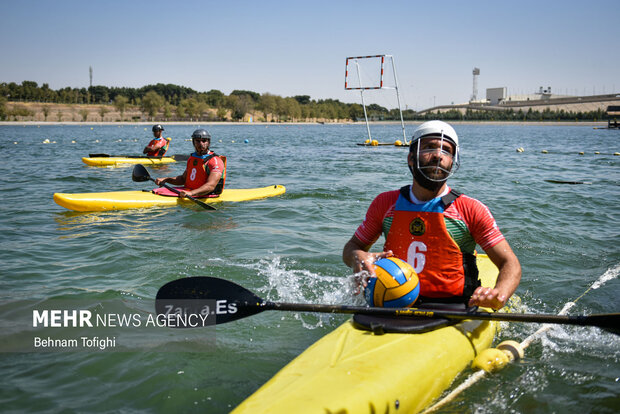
(288, 248)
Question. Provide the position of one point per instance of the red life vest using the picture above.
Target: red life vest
(159, 152)
(418, 235)
(197, 172)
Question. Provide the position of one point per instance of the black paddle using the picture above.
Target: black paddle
(140, 174)
(220, 301)
(567, 182)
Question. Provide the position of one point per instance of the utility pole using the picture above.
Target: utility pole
(90, 72)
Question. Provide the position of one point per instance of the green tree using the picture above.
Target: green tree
(84, 114)
(3, 111)
(201, 108)
(120, 103)
(21, 111)
(29, 91)
(267, 104)
(214, 98)
(59, 116)
(102, 111)
(356, 111)
(180, 111)
(168, 110)
(254, 96)
(151, 103)
(292, 109)
(302, 99)
(46, 112)
(222, 113)
(192, 107)
(239, 105)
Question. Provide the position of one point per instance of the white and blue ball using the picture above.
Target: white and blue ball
(396, 285)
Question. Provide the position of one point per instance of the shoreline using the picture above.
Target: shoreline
(499, 123)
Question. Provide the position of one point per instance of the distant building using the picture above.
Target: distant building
(496, 95)
(613, 113)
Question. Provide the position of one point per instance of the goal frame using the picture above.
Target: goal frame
(381, 85)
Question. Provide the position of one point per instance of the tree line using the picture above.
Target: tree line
(168, 102)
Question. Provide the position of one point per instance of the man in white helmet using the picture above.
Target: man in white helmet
(436, 229)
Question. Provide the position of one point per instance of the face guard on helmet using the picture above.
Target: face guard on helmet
(433, 174)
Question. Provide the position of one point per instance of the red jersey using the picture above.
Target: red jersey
(468, 220)
(199, 167)
(437, 237)
(161, 145)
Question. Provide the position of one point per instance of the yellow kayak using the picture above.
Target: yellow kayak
(356, 371)
(114, 161)
(122, 200)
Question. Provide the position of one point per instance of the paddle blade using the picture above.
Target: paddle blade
(211, 300)
(609, 322)
(180, 157)
(140, 173)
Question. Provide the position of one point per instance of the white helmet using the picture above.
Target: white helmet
(441, 130)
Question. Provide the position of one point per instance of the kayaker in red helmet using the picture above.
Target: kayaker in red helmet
(205, 173)
(158, 145)
(435, 229)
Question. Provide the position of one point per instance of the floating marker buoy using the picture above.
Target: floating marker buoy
(545, 151)
(91, 128)
(615, 153)
(73, 142)
(491, 359)
(367, 141)
(220, 140)
(46, 141)
(144, 129)
(96, 140)
(374, 143)
(597, 152)
(513, 349)
(245, 141)
(581, 153)
(398, 142)
(15, 142)
(233, 141)
(520, 149)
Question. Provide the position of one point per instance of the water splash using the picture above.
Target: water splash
(610, 274)
(284, 283)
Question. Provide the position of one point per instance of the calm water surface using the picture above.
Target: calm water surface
(289, 248)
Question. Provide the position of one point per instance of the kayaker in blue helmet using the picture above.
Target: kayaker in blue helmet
(158, 145)
(205, 174)
(436, 229)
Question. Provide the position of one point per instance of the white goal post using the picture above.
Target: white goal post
(367, 73)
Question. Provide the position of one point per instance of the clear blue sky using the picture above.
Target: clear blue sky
(299, 47)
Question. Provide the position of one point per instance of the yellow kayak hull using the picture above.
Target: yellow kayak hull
(356, 371)
(123, 200)
(114, 161)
